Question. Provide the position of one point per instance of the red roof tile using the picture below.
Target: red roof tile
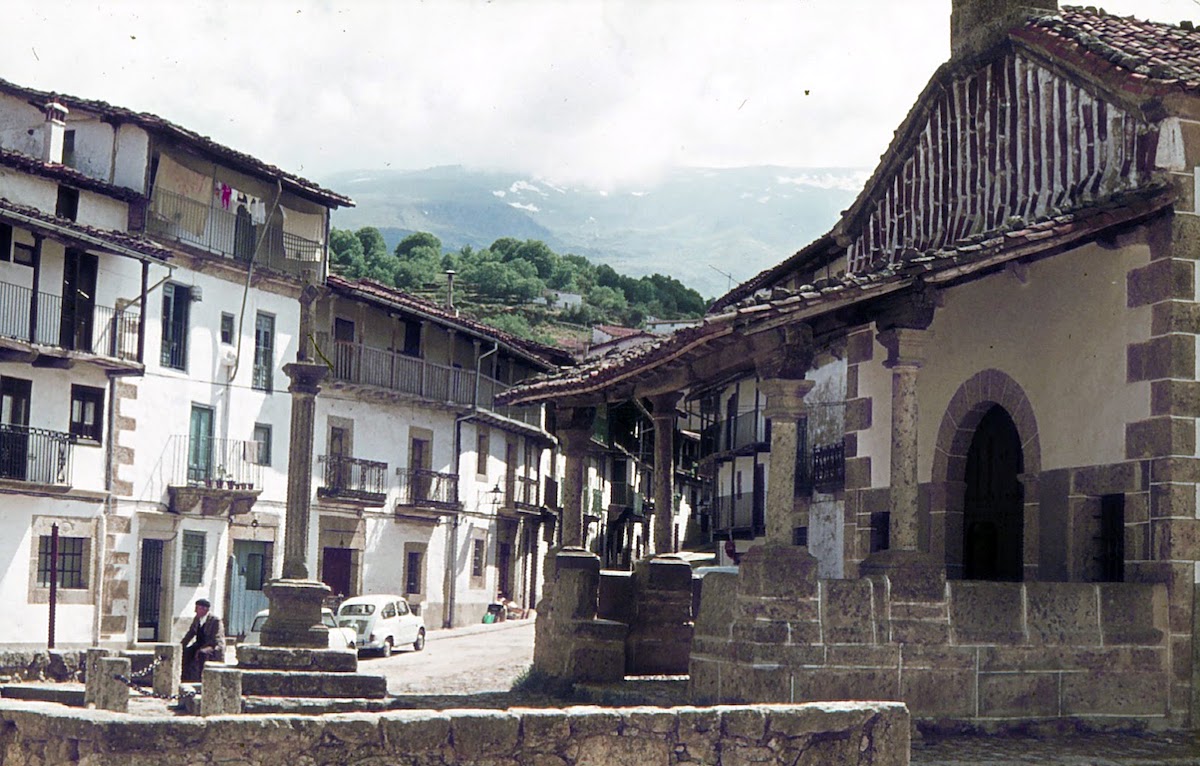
(124, 242)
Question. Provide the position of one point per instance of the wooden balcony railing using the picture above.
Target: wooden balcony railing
(44, 319)
(521, 492)
(35, 455)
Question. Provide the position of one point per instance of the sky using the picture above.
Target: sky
(588, 92)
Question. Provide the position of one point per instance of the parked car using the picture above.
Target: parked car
(339, 638)
(382, 623)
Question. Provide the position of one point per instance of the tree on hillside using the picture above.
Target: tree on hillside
(346, 253)
(418, 261)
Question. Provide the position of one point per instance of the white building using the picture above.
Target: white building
(425, 487)
(148, 299)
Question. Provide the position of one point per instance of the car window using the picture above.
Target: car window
(327, 620)
(389, 611)
(357, 609)
(259, 621)
(401, 608)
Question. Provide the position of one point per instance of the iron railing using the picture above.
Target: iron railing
(822, 470)
(352, 477)
(41, 320)
(420, 486)
(35, 455)
(521, 491)
(367, 365)
(215, 463)
(219, 231)
(174, 345)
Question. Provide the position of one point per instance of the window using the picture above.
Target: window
(262, 440)
(412, 339)
(177, 301)
(412, 572)
(71, 572)
(68, 155)
(87, 407)
(23, 254)
(191, 568)
(227, 328)
(68, 203)
(264, 351)
(389, 611)
(481, 451)
(477, 558)
(5, 242)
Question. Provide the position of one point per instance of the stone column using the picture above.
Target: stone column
(111, 693)
(166, 674)
(785, 407)
(306, 380)
(575, 433)
(664, 472)
(905, 355)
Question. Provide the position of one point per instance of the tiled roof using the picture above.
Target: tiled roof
(618, 331)
(151, 122)
(390, 296)
(121, 242)
(1023, 239)
(65, 174)
(1166, 54)
(1138, 57)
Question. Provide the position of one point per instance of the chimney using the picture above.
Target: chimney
(53, 131)
(976, 25)
(450, 288)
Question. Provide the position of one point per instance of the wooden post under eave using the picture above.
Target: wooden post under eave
(141, 343)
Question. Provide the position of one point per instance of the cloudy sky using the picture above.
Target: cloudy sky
(594, 92)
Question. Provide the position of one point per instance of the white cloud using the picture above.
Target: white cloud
(525, 206)
(596, 92)
(847, 181)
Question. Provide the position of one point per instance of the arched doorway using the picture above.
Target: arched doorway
(994, 505)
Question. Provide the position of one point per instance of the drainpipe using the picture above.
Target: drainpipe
(479, 371)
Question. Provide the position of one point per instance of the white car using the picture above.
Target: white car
(339, 638)
(382, 623)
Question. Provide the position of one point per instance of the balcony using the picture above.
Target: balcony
(732, 513)
(740, 433)
(43, 319)
(213, 476)
(354, 480)
(228, 235)
(35, 455)
(360, 364)
(522, 492)
(420, 487)
(821, 470)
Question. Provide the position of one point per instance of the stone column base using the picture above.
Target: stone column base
(777, 570)
(914, 575)
(295, 618)
(660, 638)
(571, 644)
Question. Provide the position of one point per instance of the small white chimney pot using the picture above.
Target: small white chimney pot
(53, 131)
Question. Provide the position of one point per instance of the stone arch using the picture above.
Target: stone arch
(978, 394)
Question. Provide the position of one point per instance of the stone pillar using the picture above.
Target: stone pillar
(664, 472)
(220, 691)
(575, 433)
(306, 384)
(905, 355)
(91, 669)
(168, 670)
(110, 692)
(785, 407)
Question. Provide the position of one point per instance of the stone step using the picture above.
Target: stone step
(44, 693)
(285, 683)
(311, 706)
(253, 657)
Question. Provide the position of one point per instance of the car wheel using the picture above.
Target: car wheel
(419, 644)
(386, 651)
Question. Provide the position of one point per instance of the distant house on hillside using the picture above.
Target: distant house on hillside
(562, 300)
(668, 326)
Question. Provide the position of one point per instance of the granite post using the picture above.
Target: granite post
(663, 540)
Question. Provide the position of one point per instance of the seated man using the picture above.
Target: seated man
(209, 641)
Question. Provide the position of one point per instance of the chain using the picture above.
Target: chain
(141, 689)
(159, 660)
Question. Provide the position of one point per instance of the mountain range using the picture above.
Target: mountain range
(708, 228)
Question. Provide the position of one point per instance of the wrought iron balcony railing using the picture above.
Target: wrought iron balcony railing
(214, 463)
(35, 455)
(822, 470)
(44, 319)
(354, 478)
(219, 231)
(422, 487)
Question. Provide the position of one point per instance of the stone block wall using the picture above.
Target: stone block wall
(991, 654)
(830, 734)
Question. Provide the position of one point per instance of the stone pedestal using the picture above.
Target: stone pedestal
(660, 636)
(91, 672)
(915, 584)
(295, 618)
(221, 691)
(168, 670)
(110, 693)
(571, 643)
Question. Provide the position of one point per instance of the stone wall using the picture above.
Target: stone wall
(993, 654)
(830, 734)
